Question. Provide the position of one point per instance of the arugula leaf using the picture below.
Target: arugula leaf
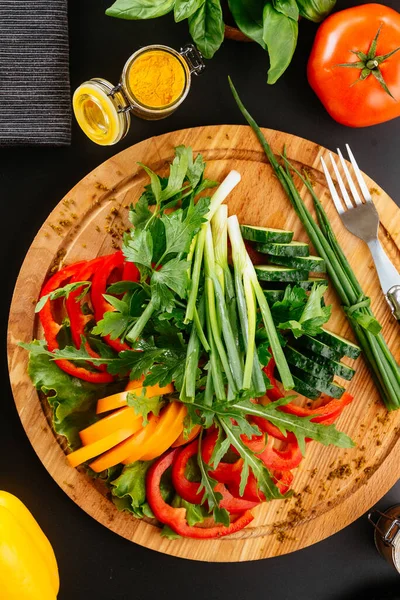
(221, 447)
(143, 405)
(210, 496)
(302, 427)
(206, 27)
(250, 461)
(130, 486)
(64, 292)
(140, 9)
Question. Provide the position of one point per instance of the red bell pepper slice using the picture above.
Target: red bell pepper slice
(176, 517)
(77, 318)
(230, 473)
(51, 328)
(189, 490)
(273, 458)
(129, 272)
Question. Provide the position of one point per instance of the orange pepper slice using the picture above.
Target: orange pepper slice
(119, 400)
(181, 440)
(119, 419)
(87, 452)
(131, 447)
(134, 383)
(169, 426)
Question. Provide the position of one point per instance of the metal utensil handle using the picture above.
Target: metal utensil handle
(388, 275)
(193, 58)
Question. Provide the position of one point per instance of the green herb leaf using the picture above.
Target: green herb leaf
(139, 213)
(143, 405)
(195, 513)
(138, 247)
(206, 27)
(131, 487)
(140, 9)
(315, 10)
(184, 9)
(210, 496)
(288, 8)
(249, 18)
(64, 292)
(280, 36)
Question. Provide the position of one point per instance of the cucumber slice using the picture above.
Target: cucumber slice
(274, 295)
(307, 285)
(309, 263)
(339, 344)
(335, 367)
(327, 387)
(291, 249)
(273, 273)
(266, 234)
(303, 388)
(299, 360)
(318, 347)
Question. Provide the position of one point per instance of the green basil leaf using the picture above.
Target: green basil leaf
(280, 35)
(140, 9)
(288, 8)
(206, 27)
(184, 9)
(315, 10)
(248, 17)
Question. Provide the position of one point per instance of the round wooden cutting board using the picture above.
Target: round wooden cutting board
(333, 486)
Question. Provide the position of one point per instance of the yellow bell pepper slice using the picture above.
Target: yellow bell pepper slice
(119, 419)
(119, 400)
(181, 440)
(28, 567)
(168, 428)
(130, 447)
(87, 452)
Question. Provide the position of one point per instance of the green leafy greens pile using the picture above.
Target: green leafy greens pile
(194, 320)
(271, 23)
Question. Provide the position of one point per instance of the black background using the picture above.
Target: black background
(94, 562)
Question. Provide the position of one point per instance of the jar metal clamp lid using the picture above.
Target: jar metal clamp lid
(387, 534)
(103, 110)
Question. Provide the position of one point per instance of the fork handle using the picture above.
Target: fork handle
(389, 276)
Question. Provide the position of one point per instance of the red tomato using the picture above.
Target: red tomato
(356, 81)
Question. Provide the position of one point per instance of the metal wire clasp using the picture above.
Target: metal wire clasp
(390, 535)
(193, 58)
(120, 88)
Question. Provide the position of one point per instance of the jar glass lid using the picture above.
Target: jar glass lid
(101, 111)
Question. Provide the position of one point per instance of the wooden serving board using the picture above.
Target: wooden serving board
(333, 486)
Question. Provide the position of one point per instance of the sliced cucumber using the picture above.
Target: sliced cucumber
(274, 295)
(266, 234)
(299, 360)
(291, 249)
(318, 347)
(327, 387)
(309, 263)
(273, 273)
(307, 285)
(339, 344)
(304, 389)
(333, 366)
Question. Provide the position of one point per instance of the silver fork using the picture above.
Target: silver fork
(362, 219)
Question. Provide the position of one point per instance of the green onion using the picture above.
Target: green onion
(384, 369)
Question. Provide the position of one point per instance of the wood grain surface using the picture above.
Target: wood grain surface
(333, 486)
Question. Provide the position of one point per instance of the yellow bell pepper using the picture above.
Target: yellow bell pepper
(119, 400)
(28, 567)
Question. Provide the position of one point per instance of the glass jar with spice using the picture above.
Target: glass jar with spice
(154, 82)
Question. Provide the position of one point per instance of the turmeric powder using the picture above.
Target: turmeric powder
(156, 78)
